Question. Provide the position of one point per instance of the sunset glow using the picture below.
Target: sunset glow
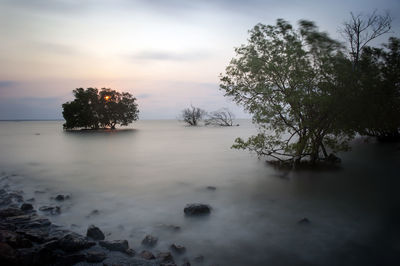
(168, 54)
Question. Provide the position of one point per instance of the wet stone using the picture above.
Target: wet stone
(149, 241)
(197, 209)
(304, 221)
(165, 257)
(95, 233)
(74, 242)
(10, 212)
(95, 257)
(130, 252)
(14, 240)
(178, 248)
(53, 210)
(26, 207)
(115, 245)
(60, 198)
(35, 235)
(147, 255)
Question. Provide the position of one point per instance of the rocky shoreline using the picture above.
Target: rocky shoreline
(28, 238)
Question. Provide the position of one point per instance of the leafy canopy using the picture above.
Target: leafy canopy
(99, 109)
(292, 82)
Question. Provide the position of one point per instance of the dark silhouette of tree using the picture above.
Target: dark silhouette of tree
(222, 117)
(379, 91)
(95, 109)
(192, 115)
(360, 30)
(290, 80)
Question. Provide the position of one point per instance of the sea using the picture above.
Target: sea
(137, 180)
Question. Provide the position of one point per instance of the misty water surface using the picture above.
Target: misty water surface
(140, 179)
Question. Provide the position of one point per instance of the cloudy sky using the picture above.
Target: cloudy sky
(168, 53)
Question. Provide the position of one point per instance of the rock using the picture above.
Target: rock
(14, 240)
(60, 197)
(8, 256)
(95, 257)
(94, 233)
(186, 262)
(130, 252)
(36, 222)
(199, 258)
(16, 196)
(19, 220)
(74, 242)
(197, 209)
(26, 207)
(38, 236)
(304, 221)
(72, 259)
(115, 245)
(165, 257)
(211, 188)
(94, 212)
(149, 241)
(10, 212)
(53, 244)
(147, 255)
(53, 210)
(178, 248)
(170, 227)
(31, 200)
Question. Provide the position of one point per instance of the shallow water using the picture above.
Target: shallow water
(141, 178)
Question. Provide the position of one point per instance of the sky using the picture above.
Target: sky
(168, 54)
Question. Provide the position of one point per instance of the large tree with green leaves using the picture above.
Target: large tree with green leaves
(95, 109)
(294, 83)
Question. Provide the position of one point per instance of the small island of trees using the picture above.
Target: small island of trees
(95, 109)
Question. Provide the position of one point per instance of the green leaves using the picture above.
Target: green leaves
(290, 81)
(94, 109)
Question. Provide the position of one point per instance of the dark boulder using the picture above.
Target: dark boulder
(95, 257)
(149, 241)
(115, 245)
(211, 188)
(71, 259)
(165, 257)
(130, 252)
(8, 255)
(39, 236)
(10, 212)
(60, 197)
(304, 221)
(197, 209)
(178, 248)
(74, 242)
(26, 207)
(51, 209)
(147, 255)
(186, 262)
(14, 240)
(94, 233)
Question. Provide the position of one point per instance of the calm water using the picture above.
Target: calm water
(141, 179)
